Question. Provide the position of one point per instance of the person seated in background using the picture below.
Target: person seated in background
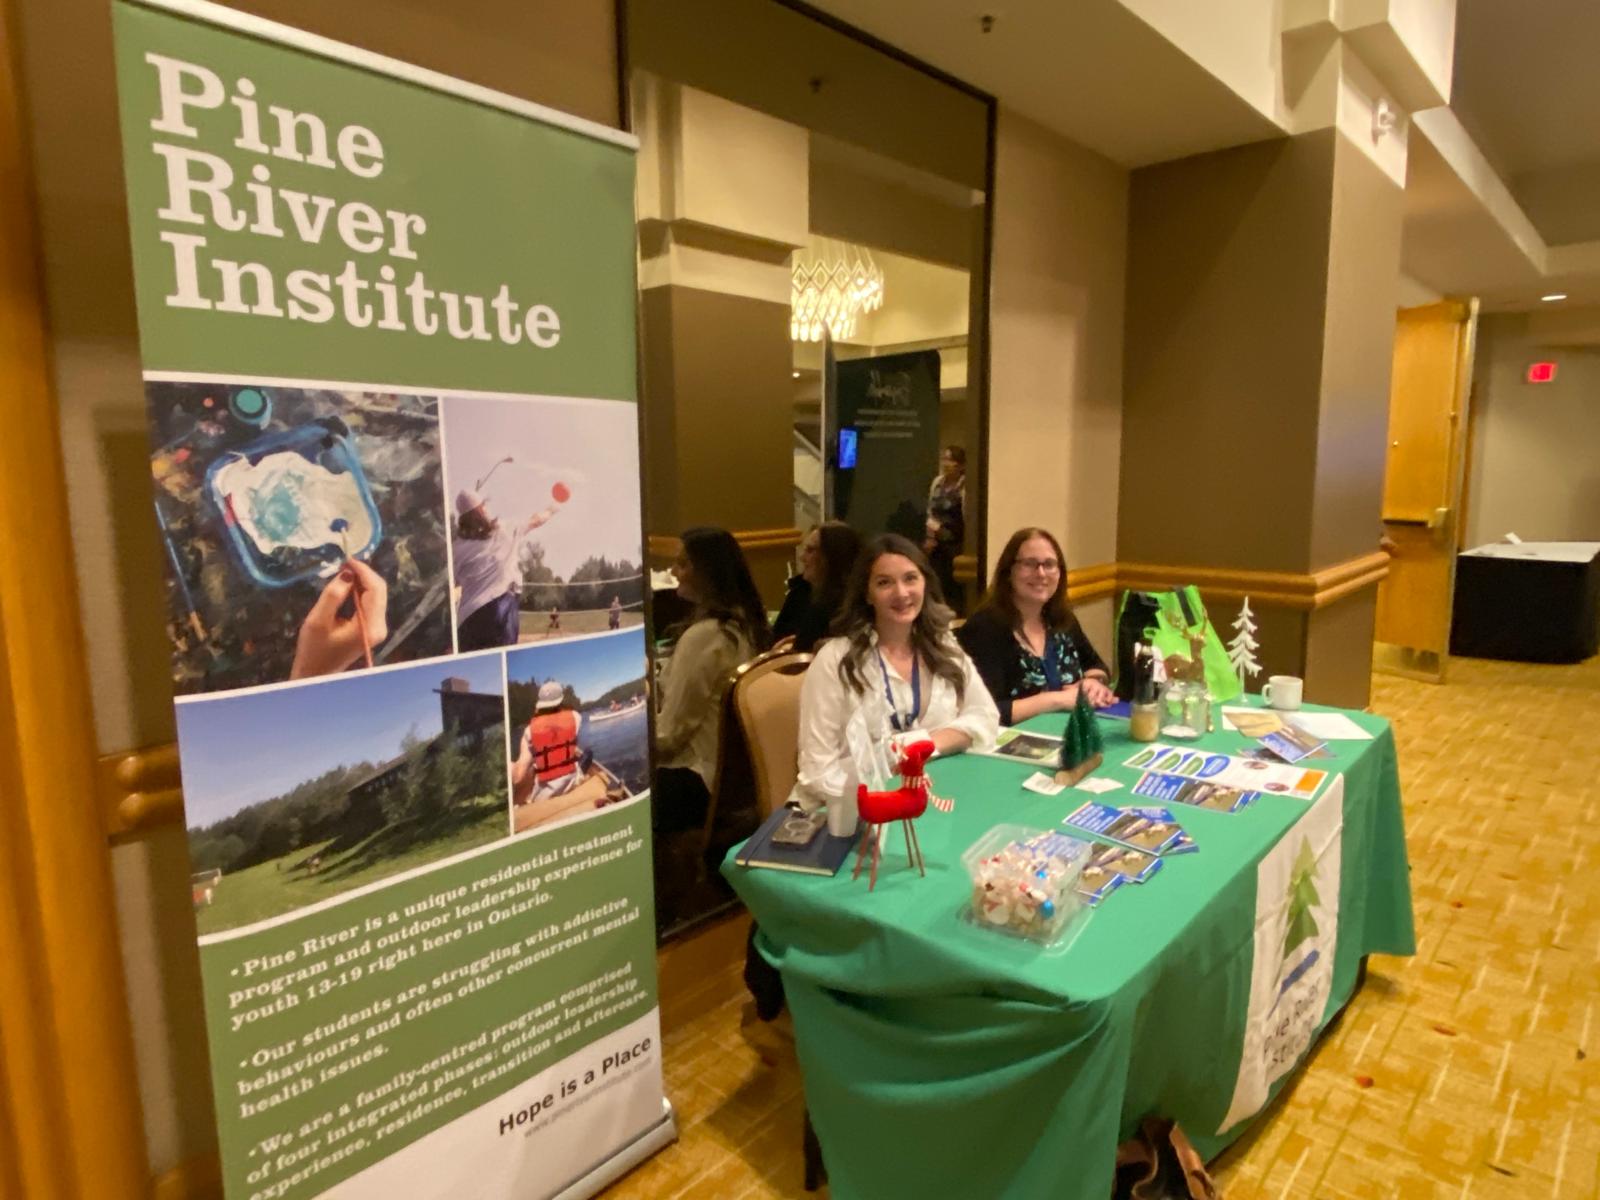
(896, 653)
(827, 553)
(727, 625)
(1025, 641)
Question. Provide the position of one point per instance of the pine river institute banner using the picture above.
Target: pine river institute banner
(387, 327)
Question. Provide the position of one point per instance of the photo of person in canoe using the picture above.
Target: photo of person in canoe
(579, 728)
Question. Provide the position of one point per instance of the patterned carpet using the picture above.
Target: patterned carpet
(1470, 1071)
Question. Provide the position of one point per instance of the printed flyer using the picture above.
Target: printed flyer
(387, 325)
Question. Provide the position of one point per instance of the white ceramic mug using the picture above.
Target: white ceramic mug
(1282, 692)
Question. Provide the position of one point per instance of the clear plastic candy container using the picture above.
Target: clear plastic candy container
(1025, 882)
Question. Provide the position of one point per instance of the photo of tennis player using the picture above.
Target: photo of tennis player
(545, 539)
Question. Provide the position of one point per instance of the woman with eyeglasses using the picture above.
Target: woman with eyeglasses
(1024, 640)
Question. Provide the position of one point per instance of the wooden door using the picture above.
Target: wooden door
(1423, 485)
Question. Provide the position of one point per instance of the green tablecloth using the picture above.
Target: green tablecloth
(945, 1059)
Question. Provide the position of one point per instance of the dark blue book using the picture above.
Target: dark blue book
(824, 854)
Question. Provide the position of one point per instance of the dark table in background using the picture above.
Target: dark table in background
(1529, 602)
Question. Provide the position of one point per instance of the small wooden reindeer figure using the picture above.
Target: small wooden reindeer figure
(904, 804)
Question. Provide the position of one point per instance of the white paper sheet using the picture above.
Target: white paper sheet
(1325, 726)
(1330, 726)
(1097, 785)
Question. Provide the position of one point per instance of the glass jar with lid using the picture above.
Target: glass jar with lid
(1185, 709)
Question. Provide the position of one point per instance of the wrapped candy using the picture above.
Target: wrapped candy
(1024, 882)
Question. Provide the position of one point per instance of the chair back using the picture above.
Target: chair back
(766, 700)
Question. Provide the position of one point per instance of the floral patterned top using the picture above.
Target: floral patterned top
(1011, 671)
(1060, 659)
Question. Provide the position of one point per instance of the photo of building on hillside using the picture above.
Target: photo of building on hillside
(299, 794)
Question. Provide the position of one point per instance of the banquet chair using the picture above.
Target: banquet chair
(757, 747)
(765, 704)
(766, 701)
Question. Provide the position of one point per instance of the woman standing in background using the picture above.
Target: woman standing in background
(946, 525)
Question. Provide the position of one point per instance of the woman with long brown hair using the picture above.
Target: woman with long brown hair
(1025, 641)
(827, 552)
(727, 626)
(894, 653)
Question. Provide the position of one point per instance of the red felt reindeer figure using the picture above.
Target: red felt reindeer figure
(904, 804)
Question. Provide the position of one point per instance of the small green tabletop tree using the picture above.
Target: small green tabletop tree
(1081, 745)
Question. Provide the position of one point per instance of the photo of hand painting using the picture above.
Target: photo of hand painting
(296, 794)
(303, 530)
(579, 726)
(544, 512)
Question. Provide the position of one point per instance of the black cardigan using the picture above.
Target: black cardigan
(802, 616)
(995, 651)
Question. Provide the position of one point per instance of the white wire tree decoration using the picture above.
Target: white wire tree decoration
(1242, 649)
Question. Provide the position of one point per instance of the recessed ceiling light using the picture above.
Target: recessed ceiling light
(1553, 297)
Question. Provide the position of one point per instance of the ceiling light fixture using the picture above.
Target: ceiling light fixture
(1553, 297)
(831, 286)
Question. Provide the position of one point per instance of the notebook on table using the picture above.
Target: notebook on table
(824, 854)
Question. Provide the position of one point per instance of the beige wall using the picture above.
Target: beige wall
(555, 53)
(1357, 358)
(1055, 395)
(858, 206)
(1535, 468)
(1227, 279)
(1260, 336)
(1056, 324)
(803, 72)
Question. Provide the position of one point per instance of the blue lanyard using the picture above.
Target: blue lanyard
(904, 724)
(1054, 642)
(1052, 672)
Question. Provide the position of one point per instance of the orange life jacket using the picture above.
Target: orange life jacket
(554, 738)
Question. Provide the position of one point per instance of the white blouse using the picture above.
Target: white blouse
(827, 704)
(692, 686)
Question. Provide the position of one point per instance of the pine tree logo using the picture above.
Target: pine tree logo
(1302, 899)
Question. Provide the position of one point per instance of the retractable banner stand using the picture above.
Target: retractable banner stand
(387, 324)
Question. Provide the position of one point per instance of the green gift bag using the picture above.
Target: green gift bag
(1167, 621)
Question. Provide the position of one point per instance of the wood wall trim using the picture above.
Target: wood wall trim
(1091, 583)
(141, 789)
(70, 1121)
(1339, 581)
(661, 546)
(1283, 589)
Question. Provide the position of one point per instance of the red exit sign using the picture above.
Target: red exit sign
(1541, 372)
